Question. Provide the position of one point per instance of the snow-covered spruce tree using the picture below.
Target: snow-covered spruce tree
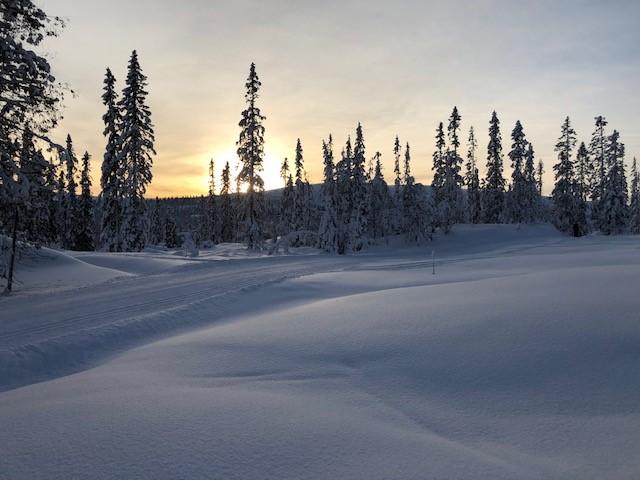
(359, 211)
(516, 200)
(251, 153)
(531, 196)
(614, 211)
(33, 168)
(379, 201)
(494, 185)
(135, 154)
(156, 225)
(409, 200)
(328, 231)
(52, 202)
(598, 167)
(70, 204)
(201, 232)
(439, 174)
(413, 213)
(211, 211)
(582, 173)
(285, 221)
(539, 176)
(112, 174)
(84, 236)
(472, 180)
(238, 209)
(171, 239)
(564, 191)
(344, 203)
(310, 206)
(30, 96)
(634, 204)
(227, 216)
(396, 212)
(61, 201)
(302, 198)
(451, 207)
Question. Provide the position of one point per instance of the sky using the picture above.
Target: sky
(397, 67)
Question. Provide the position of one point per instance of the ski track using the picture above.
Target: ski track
(47, 335)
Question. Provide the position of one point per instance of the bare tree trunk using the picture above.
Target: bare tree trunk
(12, 259)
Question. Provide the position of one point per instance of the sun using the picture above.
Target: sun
(270, 174)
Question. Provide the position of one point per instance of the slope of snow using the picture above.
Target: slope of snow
(46, 270)
(518, 360)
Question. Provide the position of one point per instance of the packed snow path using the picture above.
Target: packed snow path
(59, 332)
(48, 332)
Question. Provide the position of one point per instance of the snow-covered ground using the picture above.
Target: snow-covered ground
(518, 359)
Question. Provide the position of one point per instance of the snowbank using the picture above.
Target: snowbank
(45, 270)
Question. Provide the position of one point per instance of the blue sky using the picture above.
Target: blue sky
(398, 67)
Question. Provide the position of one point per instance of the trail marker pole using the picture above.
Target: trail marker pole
(433, 262)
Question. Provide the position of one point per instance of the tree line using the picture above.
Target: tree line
(356, 207)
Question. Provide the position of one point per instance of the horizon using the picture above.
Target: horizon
(343, 67)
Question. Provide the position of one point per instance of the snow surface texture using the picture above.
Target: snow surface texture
(519, 359)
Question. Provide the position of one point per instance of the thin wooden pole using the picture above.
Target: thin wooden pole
(433, 262)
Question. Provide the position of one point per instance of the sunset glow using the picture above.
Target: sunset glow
(323, 73)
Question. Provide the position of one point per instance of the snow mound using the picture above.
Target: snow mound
(143, 263)
(44, 270)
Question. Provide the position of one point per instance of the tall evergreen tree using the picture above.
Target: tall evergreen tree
(345, 202)
(359, 211)
(171, 239)
(539, 174)
(598, 167)
(212, 220)
(70, 205)
(493, 194)
(135, 154)
(472, 180)
(531, 196)
(634, 204)
(52, 203)
(61, 202)
(439, 173)
(564, 191)
(414, 214)
(397, 192)
(614, 213)
(156, 225)
(227, 218)
(287, 200)
(517, 201)
(112, 170)
(301, 203)
(30, 96)
(328, 232)
(582, 174)
(251, 153)
(379, 201)
(33, 168)
(450, 206)
(84, 236)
